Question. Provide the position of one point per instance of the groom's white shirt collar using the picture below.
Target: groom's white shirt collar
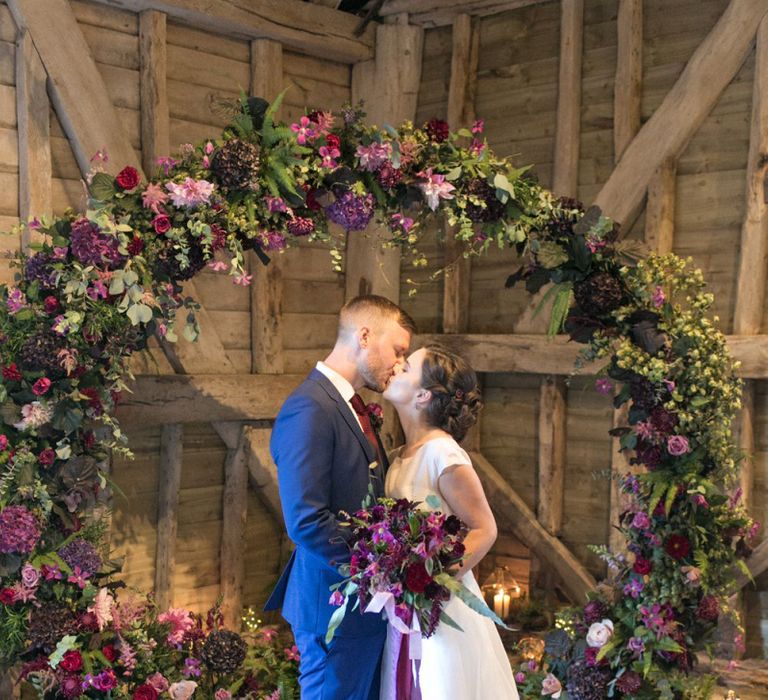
(343, 386)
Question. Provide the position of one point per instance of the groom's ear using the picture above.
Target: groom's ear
(363, 336)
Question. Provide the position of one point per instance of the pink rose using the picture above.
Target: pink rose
(677, 445)
(41, 386)
(183, 690)
(551, 686)
(158, 682)
(162, 223)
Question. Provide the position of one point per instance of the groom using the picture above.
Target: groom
(327, 453)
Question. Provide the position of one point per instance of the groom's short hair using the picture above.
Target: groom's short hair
(371, 308)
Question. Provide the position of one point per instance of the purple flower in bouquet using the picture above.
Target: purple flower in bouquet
(81, 553)
(329, 155)
(636, 645)
(92, 247)
(373, 156)
(658, 297)
(594, 611)
(654, 620)
(16, 300)
(641, 521)
(191, 668)
(351, 211)
(398, 222)
(167, 164)
(603, 386)
(190, 193)
(106, 680)
(273, 240)
(677, 445)
(304, 130)
(634, 588)
(70, 685)
(336, 599)
(30, 576)
(19, 530)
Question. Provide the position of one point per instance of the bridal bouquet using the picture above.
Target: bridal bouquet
(402, 562)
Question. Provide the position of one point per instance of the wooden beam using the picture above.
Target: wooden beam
(660, 211)
(757, 564)
(75, 85)
(516, 516)
(750, 290)
(171, 450)
(627, 91)
(439, 13)
(565, 169)
(267, 285)
(262, 469)
(617, 543)
(389, 88)
(34, 134)
(461, 113)
(709, 71)
(305, 28)
(184, 398)
(155, 119)
(552, 453)
(235, 512)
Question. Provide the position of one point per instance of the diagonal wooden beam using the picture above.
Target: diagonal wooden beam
(512, 510)
(304, 27)
(438, 13)
(712, 67)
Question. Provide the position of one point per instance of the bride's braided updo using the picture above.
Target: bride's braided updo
(456, 399)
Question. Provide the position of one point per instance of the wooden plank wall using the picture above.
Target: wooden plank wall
(9, 151)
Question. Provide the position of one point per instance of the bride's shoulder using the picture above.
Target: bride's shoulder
(445, 452)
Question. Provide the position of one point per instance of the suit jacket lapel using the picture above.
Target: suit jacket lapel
(346, 413)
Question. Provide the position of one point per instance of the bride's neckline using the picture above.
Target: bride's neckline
(418, 448)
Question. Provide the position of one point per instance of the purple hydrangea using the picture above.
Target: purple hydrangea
(92, 247)
(39, 268)
(352, 212)
(19, 530)
(82, 554)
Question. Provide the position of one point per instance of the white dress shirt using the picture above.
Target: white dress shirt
(346, 390)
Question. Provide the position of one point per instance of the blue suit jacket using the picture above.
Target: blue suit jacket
(322, 459)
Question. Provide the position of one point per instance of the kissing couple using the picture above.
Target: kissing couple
(328, 454)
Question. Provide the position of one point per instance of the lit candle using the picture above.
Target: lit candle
(498, 603)
(505, 606)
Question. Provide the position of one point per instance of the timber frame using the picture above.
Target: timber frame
(386, 68)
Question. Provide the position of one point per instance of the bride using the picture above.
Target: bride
(436, 396)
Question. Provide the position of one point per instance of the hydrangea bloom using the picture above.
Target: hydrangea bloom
(81, 553)
(19, 530)
(92, 247)
(352, 212)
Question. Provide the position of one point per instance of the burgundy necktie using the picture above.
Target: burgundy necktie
(365, 421)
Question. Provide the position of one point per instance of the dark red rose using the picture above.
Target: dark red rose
(312, 203)
(145, 692)
(72, 661)
(89, 439)
(417, 578)
(332, 141)
(11, 373)
(110, 652)
(51, 305)
(452, 525)
(127, 178)
(677, 546)
(7, 596)
(94, 400)
(630, 682)
(162, 223)
(47, 457)
(642, 566)
(135, 246)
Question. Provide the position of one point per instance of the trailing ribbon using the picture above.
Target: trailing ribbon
(405, 643)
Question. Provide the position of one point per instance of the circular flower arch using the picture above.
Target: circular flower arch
(102, 282)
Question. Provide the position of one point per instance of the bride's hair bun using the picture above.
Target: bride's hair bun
(456, 399)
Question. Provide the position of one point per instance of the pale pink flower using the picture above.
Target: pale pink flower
(303, 130)
(22, 593)
(551, 686)
(658, 298)
(209, 148)
(599, 633)
(218, 266)
(324, 121)
(222, 694)
(158, 682)
(677, 445)
(153, 197)
(180, 621)
(692, 575)
(435, 188)
(190, 193)
(34, 415)
(478, 126)
(102, 608)
(243, 280)
(183, 690)
(67, 359)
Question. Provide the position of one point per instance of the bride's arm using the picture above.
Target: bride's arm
(461, 488)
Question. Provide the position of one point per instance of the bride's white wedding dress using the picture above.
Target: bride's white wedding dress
(456, 665)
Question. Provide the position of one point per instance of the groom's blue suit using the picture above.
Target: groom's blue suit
(323, 460)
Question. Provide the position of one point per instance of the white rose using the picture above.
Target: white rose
(599, 633)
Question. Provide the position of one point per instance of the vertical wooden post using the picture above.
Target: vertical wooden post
(552, 450)
(619, 467)
(33, 118)
(235, 507)
(461, 112)
(267, 285)
(171, 450)
(155, 118)
(660, 211)
(629, 75)
(565, 178)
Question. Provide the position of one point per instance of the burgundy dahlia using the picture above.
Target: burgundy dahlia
(389, 176)
(663, 420)
(19, 530)
(300, 226)
(642, 566)
(417, 578)
(437, 130)
(677, 546)
(351, 211)
(648, 454)
(629, 683)
(594, 611)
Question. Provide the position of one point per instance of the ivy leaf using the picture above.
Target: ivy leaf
(67, 417)
(9, 564)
